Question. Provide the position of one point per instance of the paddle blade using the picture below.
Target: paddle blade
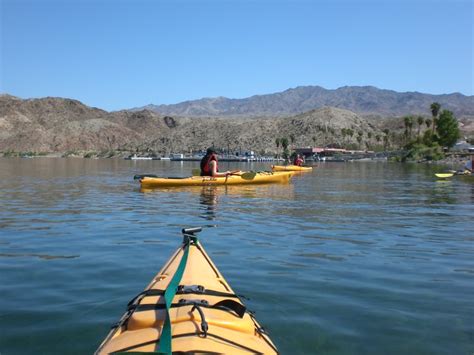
(249, 175)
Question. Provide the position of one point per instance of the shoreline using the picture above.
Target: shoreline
(453, 161)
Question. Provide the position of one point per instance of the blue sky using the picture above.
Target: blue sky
(117, 54)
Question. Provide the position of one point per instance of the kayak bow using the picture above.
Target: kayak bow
(188, 308)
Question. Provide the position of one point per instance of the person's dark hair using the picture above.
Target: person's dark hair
(211, 150)
(207, 158)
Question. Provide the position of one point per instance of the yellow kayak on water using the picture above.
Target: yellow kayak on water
(291, 168)
(240, 178)
(188, 308)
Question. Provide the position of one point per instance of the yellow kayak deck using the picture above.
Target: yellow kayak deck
(244, 178)
(230, 328)
(291, 168)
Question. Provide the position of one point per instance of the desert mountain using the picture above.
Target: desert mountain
(321, 126)
(362, 100)
(62, 125)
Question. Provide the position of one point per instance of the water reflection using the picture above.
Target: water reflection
(209, 199)
(443, 192)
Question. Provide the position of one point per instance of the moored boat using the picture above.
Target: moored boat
(188, 308)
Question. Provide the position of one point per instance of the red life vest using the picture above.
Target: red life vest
(206, 166)
(298, 162)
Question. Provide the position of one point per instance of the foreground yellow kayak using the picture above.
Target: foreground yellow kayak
(188, 308)
(241, 178)
(291, 168)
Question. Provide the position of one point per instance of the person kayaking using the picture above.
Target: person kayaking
(209, 164)
(298, 160)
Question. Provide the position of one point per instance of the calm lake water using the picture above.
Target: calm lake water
(353, 258)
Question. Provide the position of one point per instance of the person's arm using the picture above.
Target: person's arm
(214, 170)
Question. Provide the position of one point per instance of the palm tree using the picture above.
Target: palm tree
(386, 138)
(435, 107)
(406, 121)
(284, 144)
(292, 139)
(277, 143)
(420, 120)
(428, 123)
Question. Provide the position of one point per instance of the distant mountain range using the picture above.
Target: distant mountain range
(363, 100)
(66, 125)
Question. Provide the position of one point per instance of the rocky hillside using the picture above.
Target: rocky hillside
(316, 127)
(62, 125)
(361, 100)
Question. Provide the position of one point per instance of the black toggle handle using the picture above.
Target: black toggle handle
(191, 230)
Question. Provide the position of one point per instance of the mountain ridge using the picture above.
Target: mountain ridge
(364, 100)
(53, 124)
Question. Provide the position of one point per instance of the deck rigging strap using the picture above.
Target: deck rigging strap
(182, 289)
(170, 292)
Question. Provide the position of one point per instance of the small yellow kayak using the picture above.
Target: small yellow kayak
(291, 168)
(444, 175)
(188, 308)
(241, 178)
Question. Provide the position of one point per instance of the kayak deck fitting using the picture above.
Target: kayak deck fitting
(188, 308)
(243, 178)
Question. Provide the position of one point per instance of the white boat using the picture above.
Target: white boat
(135, 157)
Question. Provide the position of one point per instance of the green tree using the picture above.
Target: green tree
(386, 138)
(277, 143)
(284, 143)
(435, 107)
(428, 138)
(420, 120)
(448, 129)
(292, 139)
(408, 121)
(428, 123)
